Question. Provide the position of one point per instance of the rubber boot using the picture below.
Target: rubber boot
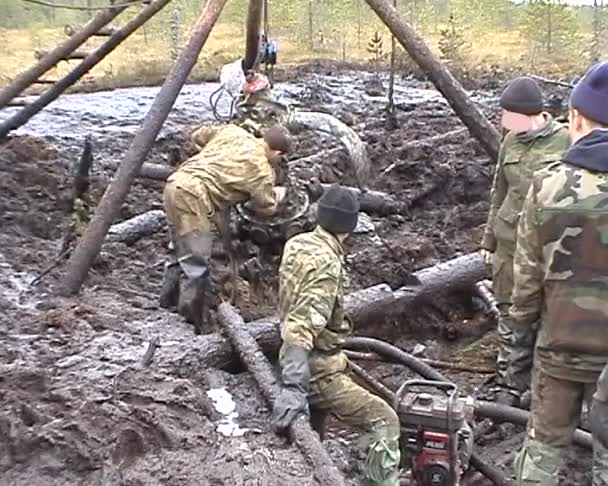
(169, 291)
(193, 251)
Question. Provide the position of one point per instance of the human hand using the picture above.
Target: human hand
(280, 192)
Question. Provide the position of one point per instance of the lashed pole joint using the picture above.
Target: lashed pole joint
(89, 245)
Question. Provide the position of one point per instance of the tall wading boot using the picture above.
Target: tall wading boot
(193, 251)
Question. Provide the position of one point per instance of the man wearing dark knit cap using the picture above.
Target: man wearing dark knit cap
(533, 141)
(314, 368)
(561, 286)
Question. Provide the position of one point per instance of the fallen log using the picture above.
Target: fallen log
(440, 76)
(363, 306)
(375, 202)
(133, 229)
(300, 431)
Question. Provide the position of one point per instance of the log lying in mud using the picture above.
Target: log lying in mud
(440, 76)
(90, 244)
(376, 202)
(362, 306)
(137, 227)
(300, 431)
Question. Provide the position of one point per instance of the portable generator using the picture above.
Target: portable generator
(436, 439)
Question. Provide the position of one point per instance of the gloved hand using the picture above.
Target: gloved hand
(295, 379)
(279, 193)
(598, 421)
(486, 255)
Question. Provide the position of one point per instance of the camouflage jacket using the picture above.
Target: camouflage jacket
(231, 167)
(311, 300)
(519, 157)
(561, 262)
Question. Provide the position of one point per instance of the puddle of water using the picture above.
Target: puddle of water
(108, 113)
(224, 404)
(15, 286)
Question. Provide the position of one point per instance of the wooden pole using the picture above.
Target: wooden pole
(52, 58)
(325, 471)
(89, 245)
(254, 23)
(440, 76)
(21, 117)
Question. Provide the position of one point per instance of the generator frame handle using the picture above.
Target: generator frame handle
(451, 391)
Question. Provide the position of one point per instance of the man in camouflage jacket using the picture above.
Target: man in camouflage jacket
(534, 140)
(561, 278)
(232, 166)
(314, 368)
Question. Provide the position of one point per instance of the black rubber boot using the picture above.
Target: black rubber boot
(169, 291)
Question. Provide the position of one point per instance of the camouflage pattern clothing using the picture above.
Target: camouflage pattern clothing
(519, 157)
(561, 271)
(231, 167)
(311, 313)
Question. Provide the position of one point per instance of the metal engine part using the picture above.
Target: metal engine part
(437, 440)
(296, 217)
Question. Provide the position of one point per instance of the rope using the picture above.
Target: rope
(214, 102)
(74, 7)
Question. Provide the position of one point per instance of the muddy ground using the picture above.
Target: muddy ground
(78, 408)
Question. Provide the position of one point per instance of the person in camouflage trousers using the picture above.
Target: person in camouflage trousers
(314, 369)
(561, 281)
(533, 141)
(232, 167)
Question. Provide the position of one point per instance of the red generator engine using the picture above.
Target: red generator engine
(436, 439)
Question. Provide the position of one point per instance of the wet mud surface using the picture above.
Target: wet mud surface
(78, 406)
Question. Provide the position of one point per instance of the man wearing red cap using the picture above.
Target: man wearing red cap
(533, 141)
(561, 282)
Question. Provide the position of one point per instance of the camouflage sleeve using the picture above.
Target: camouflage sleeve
(497, 196)
(528, 271)
(203, 134)
(312, 310)
(262, 199)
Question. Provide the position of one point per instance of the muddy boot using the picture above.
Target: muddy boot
(169, 291)
(193, 251)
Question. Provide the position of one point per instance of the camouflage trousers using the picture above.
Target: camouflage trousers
(339, 395)
(555, 414)
(514, 361)
(186, 211)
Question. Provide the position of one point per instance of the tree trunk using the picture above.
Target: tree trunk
(441, 77)
(90, 244)
(254, 24)
(306, 439)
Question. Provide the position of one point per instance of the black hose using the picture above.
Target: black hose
(484, 409)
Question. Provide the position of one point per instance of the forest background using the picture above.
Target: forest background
(549, 37)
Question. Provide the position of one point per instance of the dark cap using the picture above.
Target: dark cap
(523, 95)
(338, 210)
(277, 137)
(590, 95)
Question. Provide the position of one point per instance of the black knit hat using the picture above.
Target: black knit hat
(338, 210)
(590, 95)
(522, 95)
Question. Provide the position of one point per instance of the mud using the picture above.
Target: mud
(78, 406)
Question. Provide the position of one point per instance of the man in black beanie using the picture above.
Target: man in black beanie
(314, 369)
(561, 287)
(534, 140)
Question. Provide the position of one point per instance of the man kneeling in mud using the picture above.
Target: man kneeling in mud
(314, 368)
(232, 167)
